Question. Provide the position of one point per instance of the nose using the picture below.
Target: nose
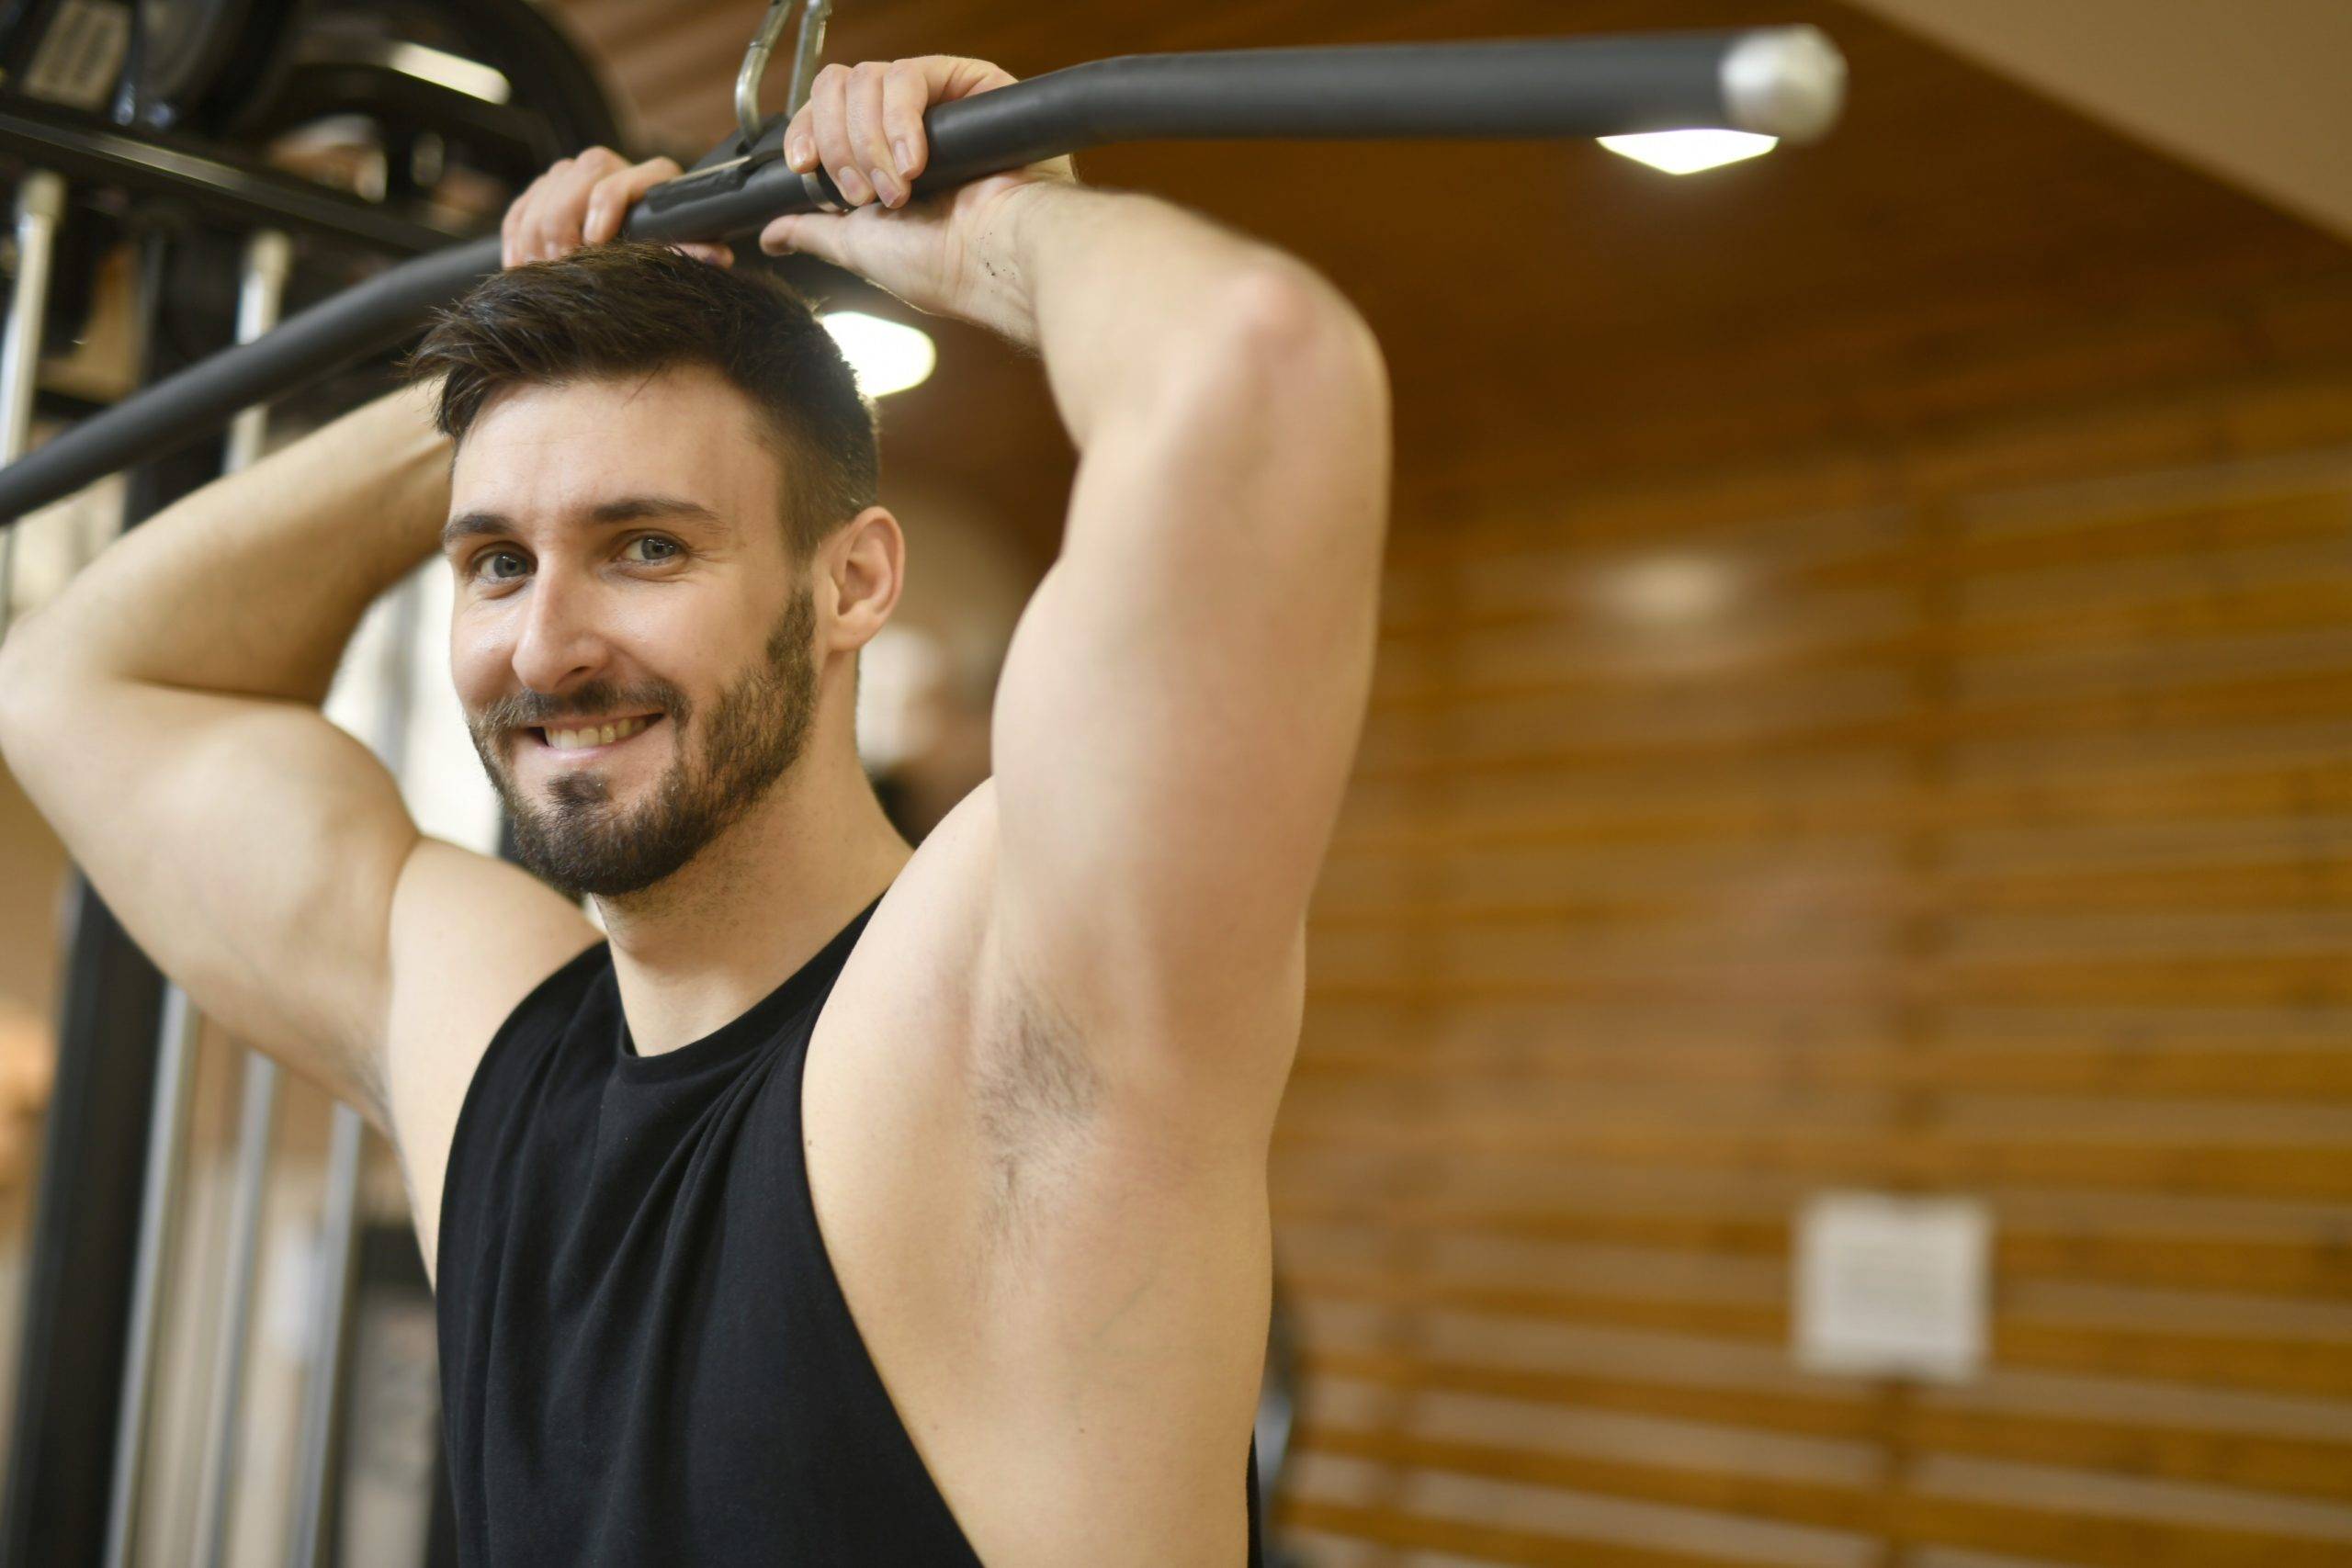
(560, 642)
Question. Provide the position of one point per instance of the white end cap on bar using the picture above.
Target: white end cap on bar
(1785, 82)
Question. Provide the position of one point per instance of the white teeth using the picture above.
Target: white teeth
(574, 740)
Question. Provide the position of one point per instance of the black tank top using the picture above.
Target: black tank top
(645, 1355)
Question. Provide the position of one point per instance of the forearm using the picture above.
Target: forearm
(1128, 297)
(254, 585)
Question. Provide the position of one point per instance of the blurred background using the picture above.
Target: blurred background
(1829, 1037)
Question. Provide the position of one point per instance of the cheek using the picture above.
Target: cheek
(476, 661)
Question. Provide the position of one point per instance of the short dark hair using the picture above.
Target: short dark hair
(632, 308)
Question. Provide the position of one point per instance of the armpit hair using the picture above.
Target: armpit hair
(1037, 1093)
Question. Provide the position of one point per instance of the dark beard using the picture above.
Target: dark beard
(578, 844)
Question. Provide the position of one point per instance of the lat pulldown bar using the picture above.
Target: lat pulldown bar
(1785, 81)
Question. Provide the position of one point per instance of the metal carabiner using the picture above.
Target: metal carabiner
(810, 44)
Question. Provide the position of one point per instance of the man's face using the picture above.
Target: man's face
(621, 569)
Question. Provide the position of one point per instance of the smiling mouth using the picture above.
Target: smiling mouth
(588, 740)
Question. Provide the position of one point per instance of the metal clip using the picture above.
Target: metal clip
(806, 50)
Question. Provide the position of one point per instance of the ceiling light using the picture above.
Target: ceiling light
(454, 71)
(888, 356)
(1670, 589)
(1688, 152)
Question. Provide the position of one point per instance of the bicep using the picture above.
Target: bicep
(249, 847)
(1180, 707)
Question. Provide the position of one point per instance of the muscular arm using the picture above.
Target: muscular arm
(1182, 701)
(253, 585)
(162, 714)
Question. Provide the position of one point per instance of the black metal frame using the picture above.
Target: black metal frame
(85, 1232)
(223, 186)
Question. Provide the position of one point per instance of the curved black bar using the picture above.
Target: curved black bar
(1785, 81)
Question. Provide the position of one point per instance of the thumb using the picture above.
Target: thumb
(814, 233)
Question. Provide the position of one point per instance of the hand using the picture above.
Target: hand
(865, 127)
(584, 202)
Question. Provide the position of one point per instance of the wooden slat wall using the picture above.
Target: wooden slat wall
(1980, 822)
(1995, 837)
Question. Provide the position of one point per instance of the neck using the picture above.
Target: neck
(698, 949)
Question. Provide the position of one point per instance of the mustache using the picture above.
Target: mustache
(525, 710)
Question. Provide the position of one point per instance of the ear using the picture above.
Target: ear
(860, 571)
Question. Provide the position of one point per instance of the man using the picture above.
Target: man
(839, 1204)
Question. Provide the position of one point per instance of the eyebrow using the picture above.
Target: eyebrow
(605, 515)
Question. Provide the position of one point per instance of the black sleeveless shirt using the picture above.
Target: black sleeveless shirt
(645, 1355)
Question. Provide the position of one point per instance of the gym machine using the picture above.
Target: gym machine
(174, 118)
(209, 139)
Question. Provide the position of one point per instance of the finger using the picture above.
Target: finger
(715, 255)
(539, 223)
(829, 93)
(906, 93)
(564, 205)
(510, 231)
(867, 144)
(523, 217)
(532, 241)
(954, 76)
(811, 234)
(799, 141)
(589, 170)
(610, 199)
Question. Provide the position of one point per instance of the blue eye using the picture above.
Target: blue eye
(484, 559)
(670, 545)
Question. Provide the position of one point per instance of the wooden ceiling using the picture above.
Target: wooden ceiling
(1556, 319)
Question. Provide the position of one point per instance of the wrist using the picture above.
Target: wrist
(395, 439)
(1004, 271)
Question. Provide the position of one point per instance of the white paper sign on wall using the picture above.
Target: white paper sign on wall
(1890, 1286)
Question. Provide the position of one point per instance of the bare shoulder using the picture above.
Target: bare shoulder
(470, 937)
